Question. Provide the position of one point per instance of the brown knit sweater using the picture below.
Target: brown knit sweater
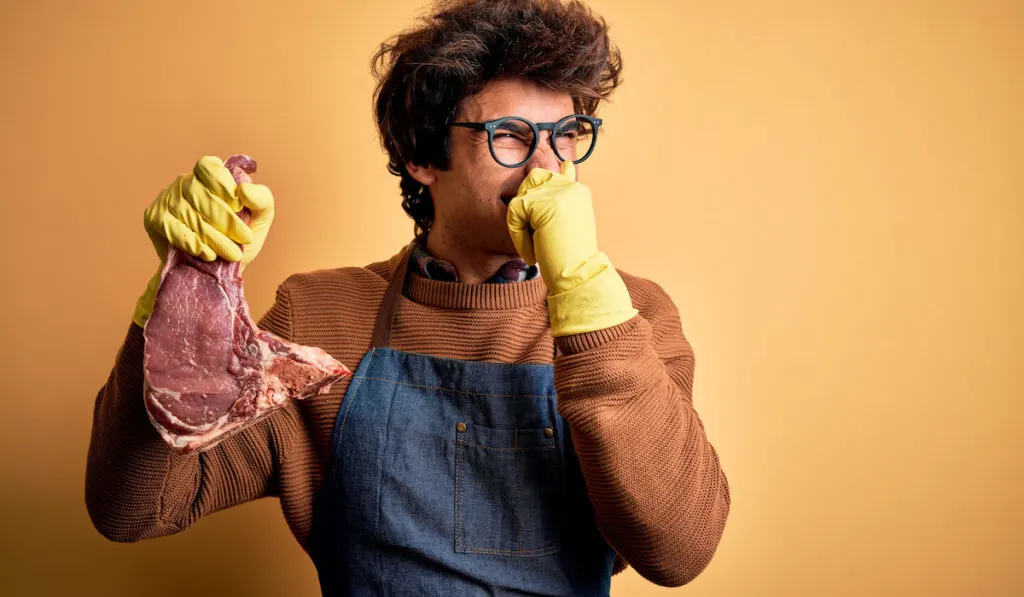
(660, 495)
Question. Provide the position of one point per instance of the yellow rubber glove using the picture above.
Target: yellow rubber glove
(197, 213)
(552, 224)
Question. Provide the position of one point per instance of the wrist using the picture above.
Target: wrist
(601, 302)
(144, 304)
(562, 276)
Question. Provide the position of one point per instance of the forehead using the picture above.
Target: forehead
(516, 97)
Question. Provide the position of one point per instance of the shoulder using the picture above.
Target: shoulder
(659, 311)
(315, 283)
(649, 298)
(367, 281)
(334, 308)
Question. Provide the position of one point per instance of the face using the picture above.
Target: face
(470, 198)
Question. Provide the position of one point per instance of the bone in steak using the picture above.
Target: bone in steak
(209, 371)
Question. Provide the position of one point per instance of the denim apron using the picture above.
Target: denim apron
(453, 478)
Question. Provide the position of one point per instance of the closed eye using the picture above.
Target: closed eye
(510, 138)
(570, 130)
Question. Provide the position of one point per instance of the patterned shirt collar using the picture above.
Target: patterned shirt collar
(433, 268)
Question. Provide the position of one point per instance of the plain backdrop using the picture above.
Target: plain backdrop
(830, 191)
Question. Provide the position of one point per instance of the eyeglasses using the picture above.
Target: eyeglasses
(513, 139)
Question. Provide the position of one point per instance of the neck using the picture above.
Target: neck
(474, 265)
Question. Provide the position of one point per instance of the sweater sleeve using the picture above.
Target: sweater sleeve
(655, 481)
(137, 488)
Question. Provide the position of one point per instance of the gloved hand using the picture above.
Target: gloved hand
(551, 221)
(197, 214)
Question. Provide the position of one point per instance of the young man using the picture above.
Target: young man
(521, 420)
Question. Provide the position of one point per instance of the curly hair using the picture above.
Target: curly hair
(424, 73)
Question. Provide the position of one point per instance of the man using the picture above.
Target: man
(521, 421)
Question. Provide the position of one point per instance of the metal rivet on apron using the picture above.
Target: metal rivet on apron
(549, 432)
(460, 426)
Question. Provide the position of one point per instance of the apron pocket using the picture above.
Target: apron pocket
(509, 491)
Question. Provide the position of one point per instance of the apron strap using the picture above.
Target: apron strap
(382, 328)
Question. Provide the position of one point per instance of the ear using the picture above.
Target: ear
(425, 175)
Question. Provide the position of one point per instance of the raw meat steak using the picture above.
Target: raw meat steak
(209, 371)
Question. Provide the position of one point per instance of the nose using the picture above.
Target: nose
(545, 156)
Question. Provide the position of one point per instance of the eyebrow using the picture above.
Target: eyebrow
(514, 126)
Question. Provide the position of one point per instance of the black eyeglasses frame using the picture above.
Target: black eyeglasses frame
(491, 126)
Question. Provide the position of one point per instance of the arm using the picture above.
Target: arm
(624, 384)
(655, 481)
(137, 488)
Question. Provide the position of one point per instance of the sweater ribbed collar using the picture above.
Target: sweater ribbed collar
(457, 295)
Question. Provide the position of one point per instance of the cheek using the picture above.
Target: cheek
(482, 180)
(487, 180)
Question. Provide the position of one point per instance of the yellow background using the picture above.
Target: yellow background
(831, 192)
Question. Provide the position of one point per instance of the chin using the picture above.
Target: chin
(497, 240)
(487, 233)
(507, 247)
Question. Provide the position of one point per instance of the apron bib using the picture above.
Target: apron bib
(453, 478)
